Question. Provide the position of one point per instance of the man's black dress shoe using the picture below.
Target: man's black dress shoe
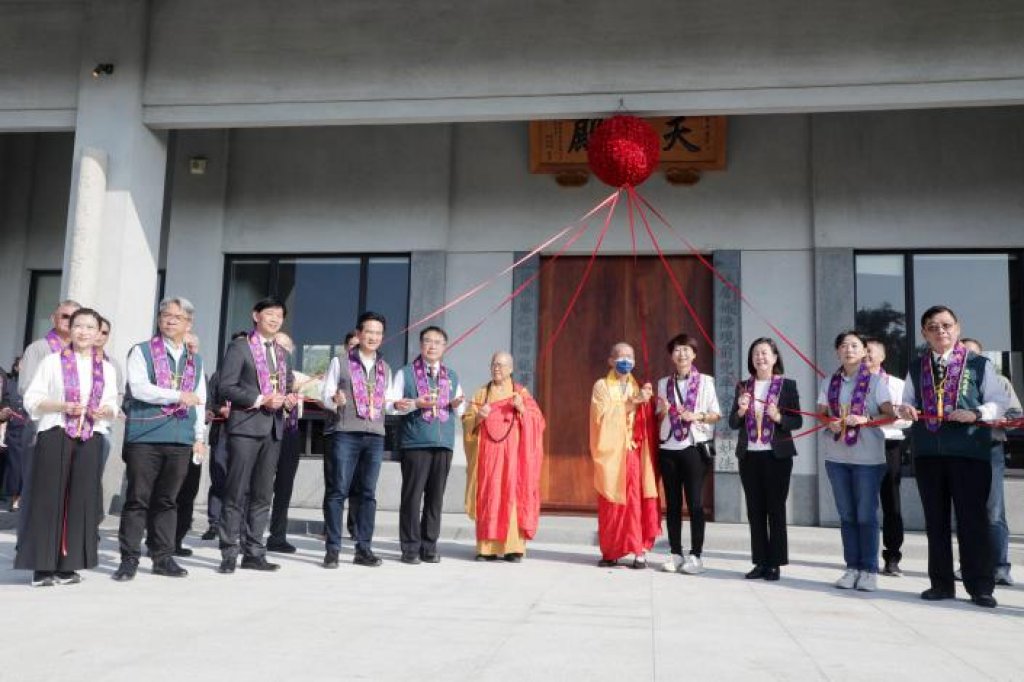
(985, 600)
(756, 573)
(170, 568)
(210, 534)
(258, 563)
(514, 557)
(280, 547)
(935, 594)
(411, 558)
(331, 559)
(182, 551)
(771, 573)
(431, 557)
(366, 558)
(226, 566)
(126, 571)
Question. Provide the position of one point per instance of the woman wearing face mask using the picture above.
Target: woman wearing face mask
(855, 457)
(766, 411)
(687, 411)
(73, 397)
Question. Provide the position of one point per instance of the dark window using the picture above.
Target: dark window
(324, 295)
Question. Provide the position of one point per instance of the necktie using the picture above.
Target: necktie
(271, 362)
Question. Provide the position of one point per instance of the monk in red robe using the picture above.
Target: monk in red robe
(622, 447)
(504, 437)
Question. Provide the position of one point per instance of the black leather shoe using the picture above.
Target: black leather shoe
(430, 557)
(331, 559)
(210, 534)
(514, 558)
(771, 573)
(170, 568)
(757, 573)
(280, 547)
(226, 566)
(182, 551)
(985, 600)
(411, 558)
(935, 594)
(607, 563)
(366, 558)
(258, 563)
(126, 571)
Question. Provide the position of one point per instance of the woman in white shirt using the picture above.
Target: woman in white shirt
(687, 412)
(73, 397)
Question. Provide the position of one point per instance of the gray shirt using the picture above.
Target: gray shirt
(345, 418)
(870, 445)
(33, 356)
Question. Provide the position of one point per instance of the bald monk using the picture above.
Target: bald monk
(622, 446)
(503, 431)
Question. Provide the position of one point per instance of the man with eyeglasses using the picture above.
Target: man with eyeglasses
(430, 399)
(165, 429)
(952, 396)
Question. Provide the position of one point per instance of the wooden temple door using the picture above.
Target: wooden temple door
(607, 311)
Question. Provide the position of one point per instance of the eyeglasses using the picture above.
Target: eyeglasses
(933, 328)
(170, 317)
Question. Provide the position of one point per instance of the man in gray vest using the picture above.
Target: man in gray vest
(164, 405)
(354, 389)
(429, 396)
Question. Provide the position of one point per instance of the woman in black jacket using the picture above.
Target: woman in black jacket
(765, 410)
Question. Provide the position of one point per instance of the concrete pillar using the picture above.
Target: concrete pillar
(834, 311)
(525, 322)
(122, 282)
(728, 371)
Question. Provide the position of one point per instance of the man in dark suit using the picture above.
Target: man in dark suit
(256, 379)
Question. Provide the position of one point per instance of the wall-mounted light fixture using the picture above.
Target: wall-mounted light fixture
(103, 69)
(197, 165)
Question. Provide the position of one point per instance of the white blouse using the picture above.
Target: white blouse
(707, 401)
(757, 405)
(48, 384)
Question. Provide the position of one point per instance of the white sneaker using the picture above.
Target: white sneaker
(867, 582)
(673, 564)
(1003, 576)
(693, 565)
(848, 580)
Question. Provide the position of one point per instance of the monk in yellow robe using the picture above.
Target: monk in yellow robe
(622, 445)
(503, 430)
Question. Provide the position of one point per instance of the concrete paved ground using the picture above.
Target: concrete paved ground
(556, 616)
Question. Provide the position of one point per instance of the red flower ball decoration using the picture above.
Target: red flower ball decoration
(623, 150)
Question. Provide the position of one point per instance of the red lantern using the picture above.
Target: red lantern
(623, 150)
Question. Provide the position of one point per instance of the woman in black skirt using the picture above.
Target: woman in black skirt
(73, 397)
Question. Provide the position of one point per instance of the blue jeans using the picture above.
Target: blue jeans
(856, 488)
(352, 465)
(996, 507)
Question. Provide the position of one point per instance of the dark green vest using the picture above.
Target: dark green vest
(418, 433)
(144, 424)
(955, 440)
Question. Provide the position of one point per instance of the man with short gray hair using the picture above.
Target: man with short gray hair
(165, 404)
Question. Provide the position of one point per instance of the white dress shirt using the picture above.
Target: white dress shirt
(146, 391)
(48, 384)
(993, 394)
(396, 391)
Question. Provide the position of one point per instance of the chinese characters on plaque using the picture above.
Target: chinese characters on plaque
(689, 145)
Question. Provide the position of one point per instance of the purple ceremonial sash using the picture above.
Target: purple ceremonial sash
(268, 382)
(932, 405)
(54, 342)
(165, 377)
(442, 396)
(857, 400)
(680, 428)
(767, 426)
(80, 427)
(366, 409)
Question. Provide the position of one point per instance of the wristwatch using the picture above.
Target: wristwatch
(977, 414)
